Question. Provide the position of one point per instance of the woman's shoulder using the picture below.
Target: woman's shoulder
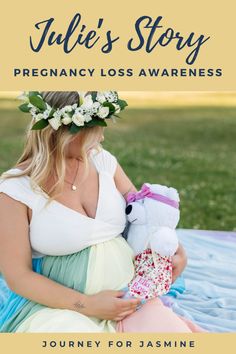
(17, 169)
(104, 160)
(16, 174)
(17, 186)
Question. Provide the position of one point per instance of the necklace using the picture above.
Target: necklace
(73, 186)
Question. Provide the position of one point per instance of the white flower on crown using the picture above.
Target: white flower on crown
(87, 104)
(80, 110)
(69, 108)
(39, 116)
(111, 96)
(87, 118)
(95, 107)
(78, 118)
(103, 112)
(58, 113)
(101, 97)
(55, 122)
(66, 119)
(93, 110)
(87, 109)
(35, 112)
(117, 107)
(87, 101)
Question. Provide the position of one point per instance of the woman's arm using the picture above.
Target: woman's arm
(16, 267)
(122, 181)
(179, 261)
(16, 260)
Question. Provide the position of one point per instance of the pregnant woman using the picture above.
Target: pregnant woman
(62, 214)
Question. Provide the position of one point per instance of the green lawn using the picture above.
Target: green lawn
(190, 148)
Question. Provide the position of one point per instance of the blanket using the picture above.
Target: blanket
(209, 298)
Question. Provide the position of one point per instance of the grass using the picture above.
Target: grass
(191, 148)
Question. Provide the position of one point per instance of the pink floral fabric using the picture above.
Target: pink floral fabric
(153, 277)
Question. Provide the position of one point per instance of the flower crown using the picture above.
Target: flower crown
(92, 109)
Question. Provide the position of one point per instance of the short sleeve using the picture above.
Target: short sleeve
(104, 161)
(18, 188)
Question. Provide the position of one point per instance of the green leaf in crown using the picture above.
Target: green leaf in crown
(96, 121)
(24, 107)
(53, 110)
(40, 124)
(94, 96)
(37, 101)
(122, 104)
(34, 93)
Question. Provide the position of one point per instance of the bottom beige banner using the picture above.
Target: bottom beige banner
(38, 343)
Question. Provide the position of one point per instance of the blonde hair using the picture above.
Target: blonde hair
(46, 148)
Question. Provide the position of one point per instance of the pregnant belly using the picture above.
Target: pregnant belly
(107, 265)
(110, 266)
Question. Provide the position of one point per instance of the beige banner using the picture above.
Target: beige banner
(38, 343)
(125, 45)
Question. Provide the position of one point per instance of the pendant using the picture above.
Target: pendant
(73, 187)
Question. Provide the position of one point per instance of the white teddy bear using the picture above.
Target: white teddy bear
(153, 213)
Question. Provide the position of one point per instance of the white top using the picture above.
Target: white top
(59, 230)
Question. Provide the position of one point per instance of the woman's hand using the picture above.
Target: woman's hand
(107, 305)
(179, 262)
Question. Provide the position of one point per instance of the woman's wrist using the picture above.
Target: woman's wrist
(179, 262)
(80, 304)
(78, 301)
(183, 256)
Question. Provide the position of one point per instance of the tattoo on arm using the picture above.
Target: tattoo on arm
(79, 305)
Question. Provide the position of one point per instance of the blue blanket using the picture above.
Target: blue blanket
(209, 298)
(207, 295)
